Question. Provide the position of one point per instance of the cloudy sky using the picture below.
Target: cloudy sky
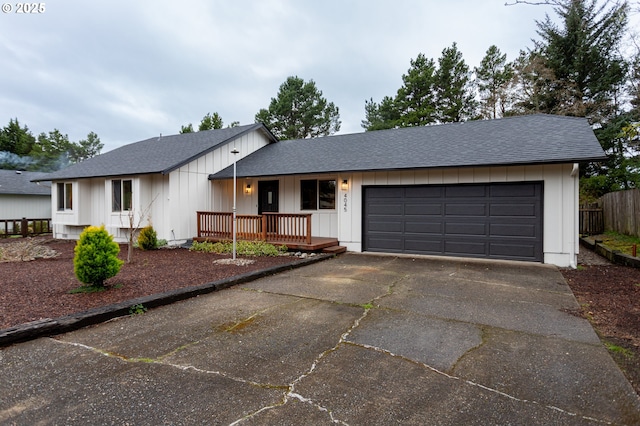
(130, 70)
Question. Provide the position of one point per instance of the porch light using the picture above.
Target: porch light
(247, 189)
(345, 185)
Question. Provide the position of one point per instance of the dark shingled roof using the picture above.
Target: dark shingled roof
(531, 139)
(19, 183)
(160, 154)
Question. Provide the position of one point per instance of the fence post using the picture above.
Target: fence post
(24, 227)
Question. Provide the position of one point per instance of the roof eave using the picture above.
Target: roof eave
(215, 176)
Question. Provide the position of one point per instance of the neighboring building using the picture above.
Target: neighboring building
(19, 197)
(497, 189)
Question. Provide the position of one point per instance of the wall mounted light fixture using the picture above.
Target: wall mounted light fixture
(345, 185)
(247, 189)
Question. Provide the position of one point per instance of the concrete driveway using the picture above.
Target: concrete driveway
(359, 339)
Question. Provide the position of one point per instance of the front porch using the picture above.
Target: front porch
(290, 229)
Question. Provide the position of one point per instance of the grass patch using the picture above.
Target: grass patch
(621, 242)
(616, 349)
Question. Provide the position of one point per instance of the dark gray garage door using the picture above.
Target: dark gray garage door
(496, 221)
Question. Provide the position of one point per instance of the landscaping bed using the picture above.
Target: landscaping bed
(36, 281)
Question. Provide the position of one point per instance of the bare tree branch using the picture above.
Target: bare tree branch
(534, 3)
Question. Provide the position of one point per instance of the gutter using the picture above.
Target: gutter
(574, 232)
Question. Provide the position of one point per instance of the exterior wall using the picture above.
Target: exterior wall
(14, 206)
(68, 224)
(560, 201)
(168, 202)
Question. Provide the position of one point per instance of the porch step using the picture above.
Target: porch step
(334, 249)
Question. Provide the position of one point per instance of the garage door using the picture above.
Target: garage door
(495, 221)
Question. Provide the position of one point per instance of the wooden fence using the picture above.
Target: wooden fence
(591, 220)
(620, 211)
(24, 227)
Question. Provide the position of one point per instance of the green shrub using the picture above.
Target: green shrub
(96, 256)
(243, 248)
(148, 239)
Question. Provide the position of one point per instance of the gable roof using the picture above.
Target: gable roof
(16, 182)
(531, 139)
(160, 154)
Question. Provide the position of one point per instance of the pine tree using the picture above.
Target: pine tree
(492, 80)
(416, 99)
(300, 111)
(455, 97)
(583, 55)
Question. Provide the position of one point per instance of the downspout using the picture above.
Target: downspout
(574, 231)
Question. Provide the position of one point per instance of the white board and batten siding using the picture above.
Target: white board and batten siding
(560, 198)
(190, 190)
(17, 206)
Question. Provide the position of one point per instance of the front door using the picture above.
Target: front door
(268, 196)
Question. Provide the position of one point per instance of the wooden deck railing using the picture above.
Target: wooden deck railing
(279, 227)
(24, 227)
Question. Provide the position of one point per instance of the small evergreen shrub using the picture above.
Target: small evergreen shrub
(96, 256)
(148, 239)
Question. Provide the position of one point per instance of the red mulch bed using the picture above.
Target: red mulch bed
(609, 297)
(37, 289)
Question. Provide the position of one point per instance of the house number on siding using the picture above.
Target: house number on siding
(344, 203)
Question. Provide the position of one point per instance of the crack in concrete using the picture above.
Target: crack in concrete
(159, 361)
(474, 384)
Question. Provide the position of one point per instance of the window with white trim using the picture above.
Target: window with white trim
(121, 195)
(65, 196)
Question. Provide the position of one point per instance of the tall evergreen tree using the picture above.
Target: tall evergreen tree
(210, 122)
(492, 80)
(186, 129)
(300, 111)
(85, 148)
(416, 99)
(584, 57)
(51, 151)
(15, 139)
(455, 97)
(380, 116)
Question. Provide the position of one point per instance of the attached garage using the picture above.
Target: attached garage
(494, 221)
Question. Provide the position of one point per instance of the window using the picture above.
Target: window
(316, 194)
(121, 195)
(65, 196)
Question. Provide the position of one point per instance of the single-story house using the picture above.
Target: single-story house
(497, 189)
(20, 197)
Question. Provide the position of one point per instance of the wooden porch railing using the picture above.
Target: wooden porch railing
(277, 227)
(24, 227)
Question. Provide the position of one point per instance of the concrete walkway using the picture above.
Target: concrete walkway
(355, 340)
